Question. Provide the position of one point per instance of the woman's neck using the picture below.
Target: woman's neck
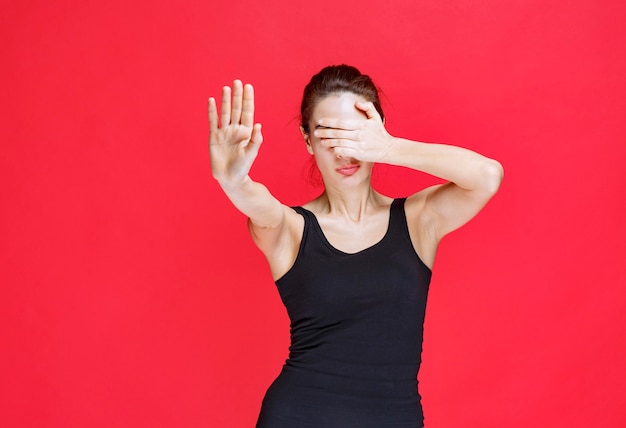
(353, 203)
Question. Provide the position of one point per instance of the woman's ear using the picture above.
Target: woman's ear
(307, 140)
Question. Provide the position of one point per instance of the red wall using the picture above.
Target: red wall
(131, 295)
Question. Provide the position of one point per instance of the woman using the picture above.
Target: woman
(352, 266)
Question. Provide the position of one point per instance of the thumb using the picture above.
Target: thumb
(256, 138)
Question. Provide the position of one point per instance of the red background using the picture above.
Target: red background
(131, 295)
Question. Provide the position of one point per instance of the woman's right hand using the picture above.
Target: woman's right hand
(233, 142)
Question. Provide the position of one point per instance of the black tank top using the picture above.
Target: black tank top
(356, 333)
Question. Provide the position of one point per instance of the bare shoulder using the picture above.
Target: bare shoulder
(269, 238)
(280, 244)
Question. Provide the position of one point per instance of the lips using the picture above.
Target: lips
(348, 169)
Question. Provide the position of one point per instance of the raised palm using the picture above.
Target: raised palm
(234, 141)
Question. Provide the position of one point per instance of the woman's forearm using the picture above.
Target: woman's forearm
(465, 168)
(255, 201)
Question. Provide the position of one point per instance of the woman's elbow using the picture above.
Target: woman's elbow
(493, 173)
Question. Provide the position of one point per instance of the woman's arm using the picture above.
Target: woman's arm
(233, 145)
(472, 178)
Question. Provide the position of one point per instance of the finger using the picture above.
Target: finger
(367, 108)
(335, 133)
(247, 115)
(225, 113)
(212, 115)
(347, 124)
(335, 144)
(257, 137)
(235, 114)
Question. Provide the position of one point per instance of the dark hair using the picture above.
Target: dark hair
(336, 79)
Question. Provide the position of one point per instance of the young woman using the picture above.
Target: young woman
(352, 266)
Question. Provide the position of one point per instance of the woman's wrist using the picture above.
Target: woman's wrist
(230, 185)
(402, 152)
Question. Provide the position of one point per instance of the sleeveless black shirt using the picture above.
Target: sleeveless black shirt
(356, 333)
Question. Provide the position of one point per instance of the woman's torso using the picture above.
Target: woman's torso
(356, 332)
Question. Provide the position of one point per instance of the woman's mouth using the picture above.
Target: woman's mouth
(348, 169)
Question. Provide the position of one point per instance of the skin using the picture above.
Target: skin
(345, 130)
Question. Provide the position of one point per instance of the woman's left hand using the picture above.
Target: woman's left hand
(365, 139)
